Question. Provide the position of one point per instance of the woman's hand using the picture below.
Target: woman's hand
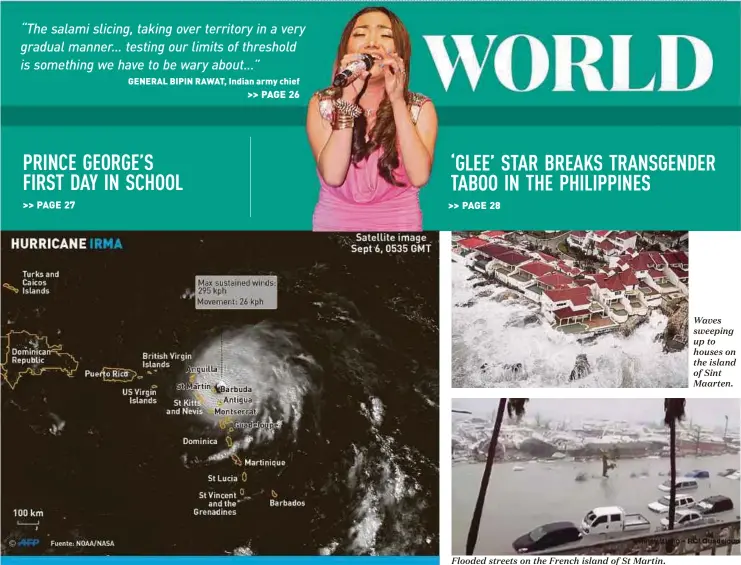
(350, 92)
(395, 77)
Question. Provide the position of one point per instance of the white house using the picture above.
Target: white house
(613, 288)
(643, 262)
(679, 278)
(577, 239)
(493, 235)
(599, 236)
(607, 248)
(568, 305)
(677, 259)
(624, 240)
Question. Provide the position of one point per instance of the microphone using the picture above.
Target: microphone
(352, 71)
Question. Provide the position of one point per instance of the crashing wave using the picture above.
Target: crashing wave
(486, 334)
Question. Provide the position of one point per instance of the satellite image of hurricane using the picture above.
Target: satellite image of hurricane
(287, 407)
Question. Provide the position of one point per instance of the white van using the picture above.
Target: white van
(683, 483)
(661, 506)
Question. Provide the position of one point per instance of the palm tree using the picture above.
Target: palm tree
(515, 408)
(673, 413)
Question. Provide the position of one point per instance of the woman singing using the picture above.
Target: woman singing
(373, 140)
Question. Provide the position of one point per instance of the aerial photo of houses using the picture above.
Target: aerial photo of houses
(570, 309)
(593, 476)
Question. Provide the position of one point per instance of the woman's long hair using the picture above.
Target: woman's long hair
(383, 134)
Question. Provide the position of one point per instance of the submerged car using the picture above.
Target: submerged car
(713, 505)
(661, 506)
(684, 483)
(547, 536)
(687, 518)
(697, 474)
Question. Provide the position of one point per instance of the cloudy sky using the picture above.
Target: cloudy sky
(705, 412)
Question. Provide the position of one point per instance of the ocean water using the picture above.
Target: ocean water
(490, 336)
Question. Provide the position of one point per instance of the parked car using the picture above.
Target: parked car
(713, 505)
(612, 519)
(661, 506)
(547, 536)
(697, 474)
(687, 518)
(682, 483)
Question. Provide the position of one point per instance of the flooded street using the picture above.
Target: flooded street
(519, 501)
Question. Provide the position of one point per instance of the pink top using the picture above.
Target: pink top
(366, 201)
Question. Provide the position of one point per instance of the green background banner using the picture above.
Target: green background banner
(206, 133)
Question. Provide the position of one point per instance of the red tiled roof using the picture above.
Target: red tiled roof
(545, 257)
(579, 296)
(618, 281)
(656, 257)
(555, 280)
(512, 258)
(606, 245)
(676, 258)
(472, 242)
(610, 283)
(603, 233)
(624, 235)
(646, 260)
(627, 277)
(671, 258)
(566, 269)
(656, 274)
(681, 273)
(536, 268)
(493, 233)
(579, 234)
(493, 249)
(567, 312)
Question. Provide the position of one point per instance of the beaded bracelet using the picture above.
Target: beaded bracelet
(347, 108)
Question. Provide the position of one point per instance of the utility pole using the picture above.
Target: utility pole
(698, 432)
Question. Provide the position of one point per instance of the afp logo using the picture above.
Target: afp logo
(28, 542)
